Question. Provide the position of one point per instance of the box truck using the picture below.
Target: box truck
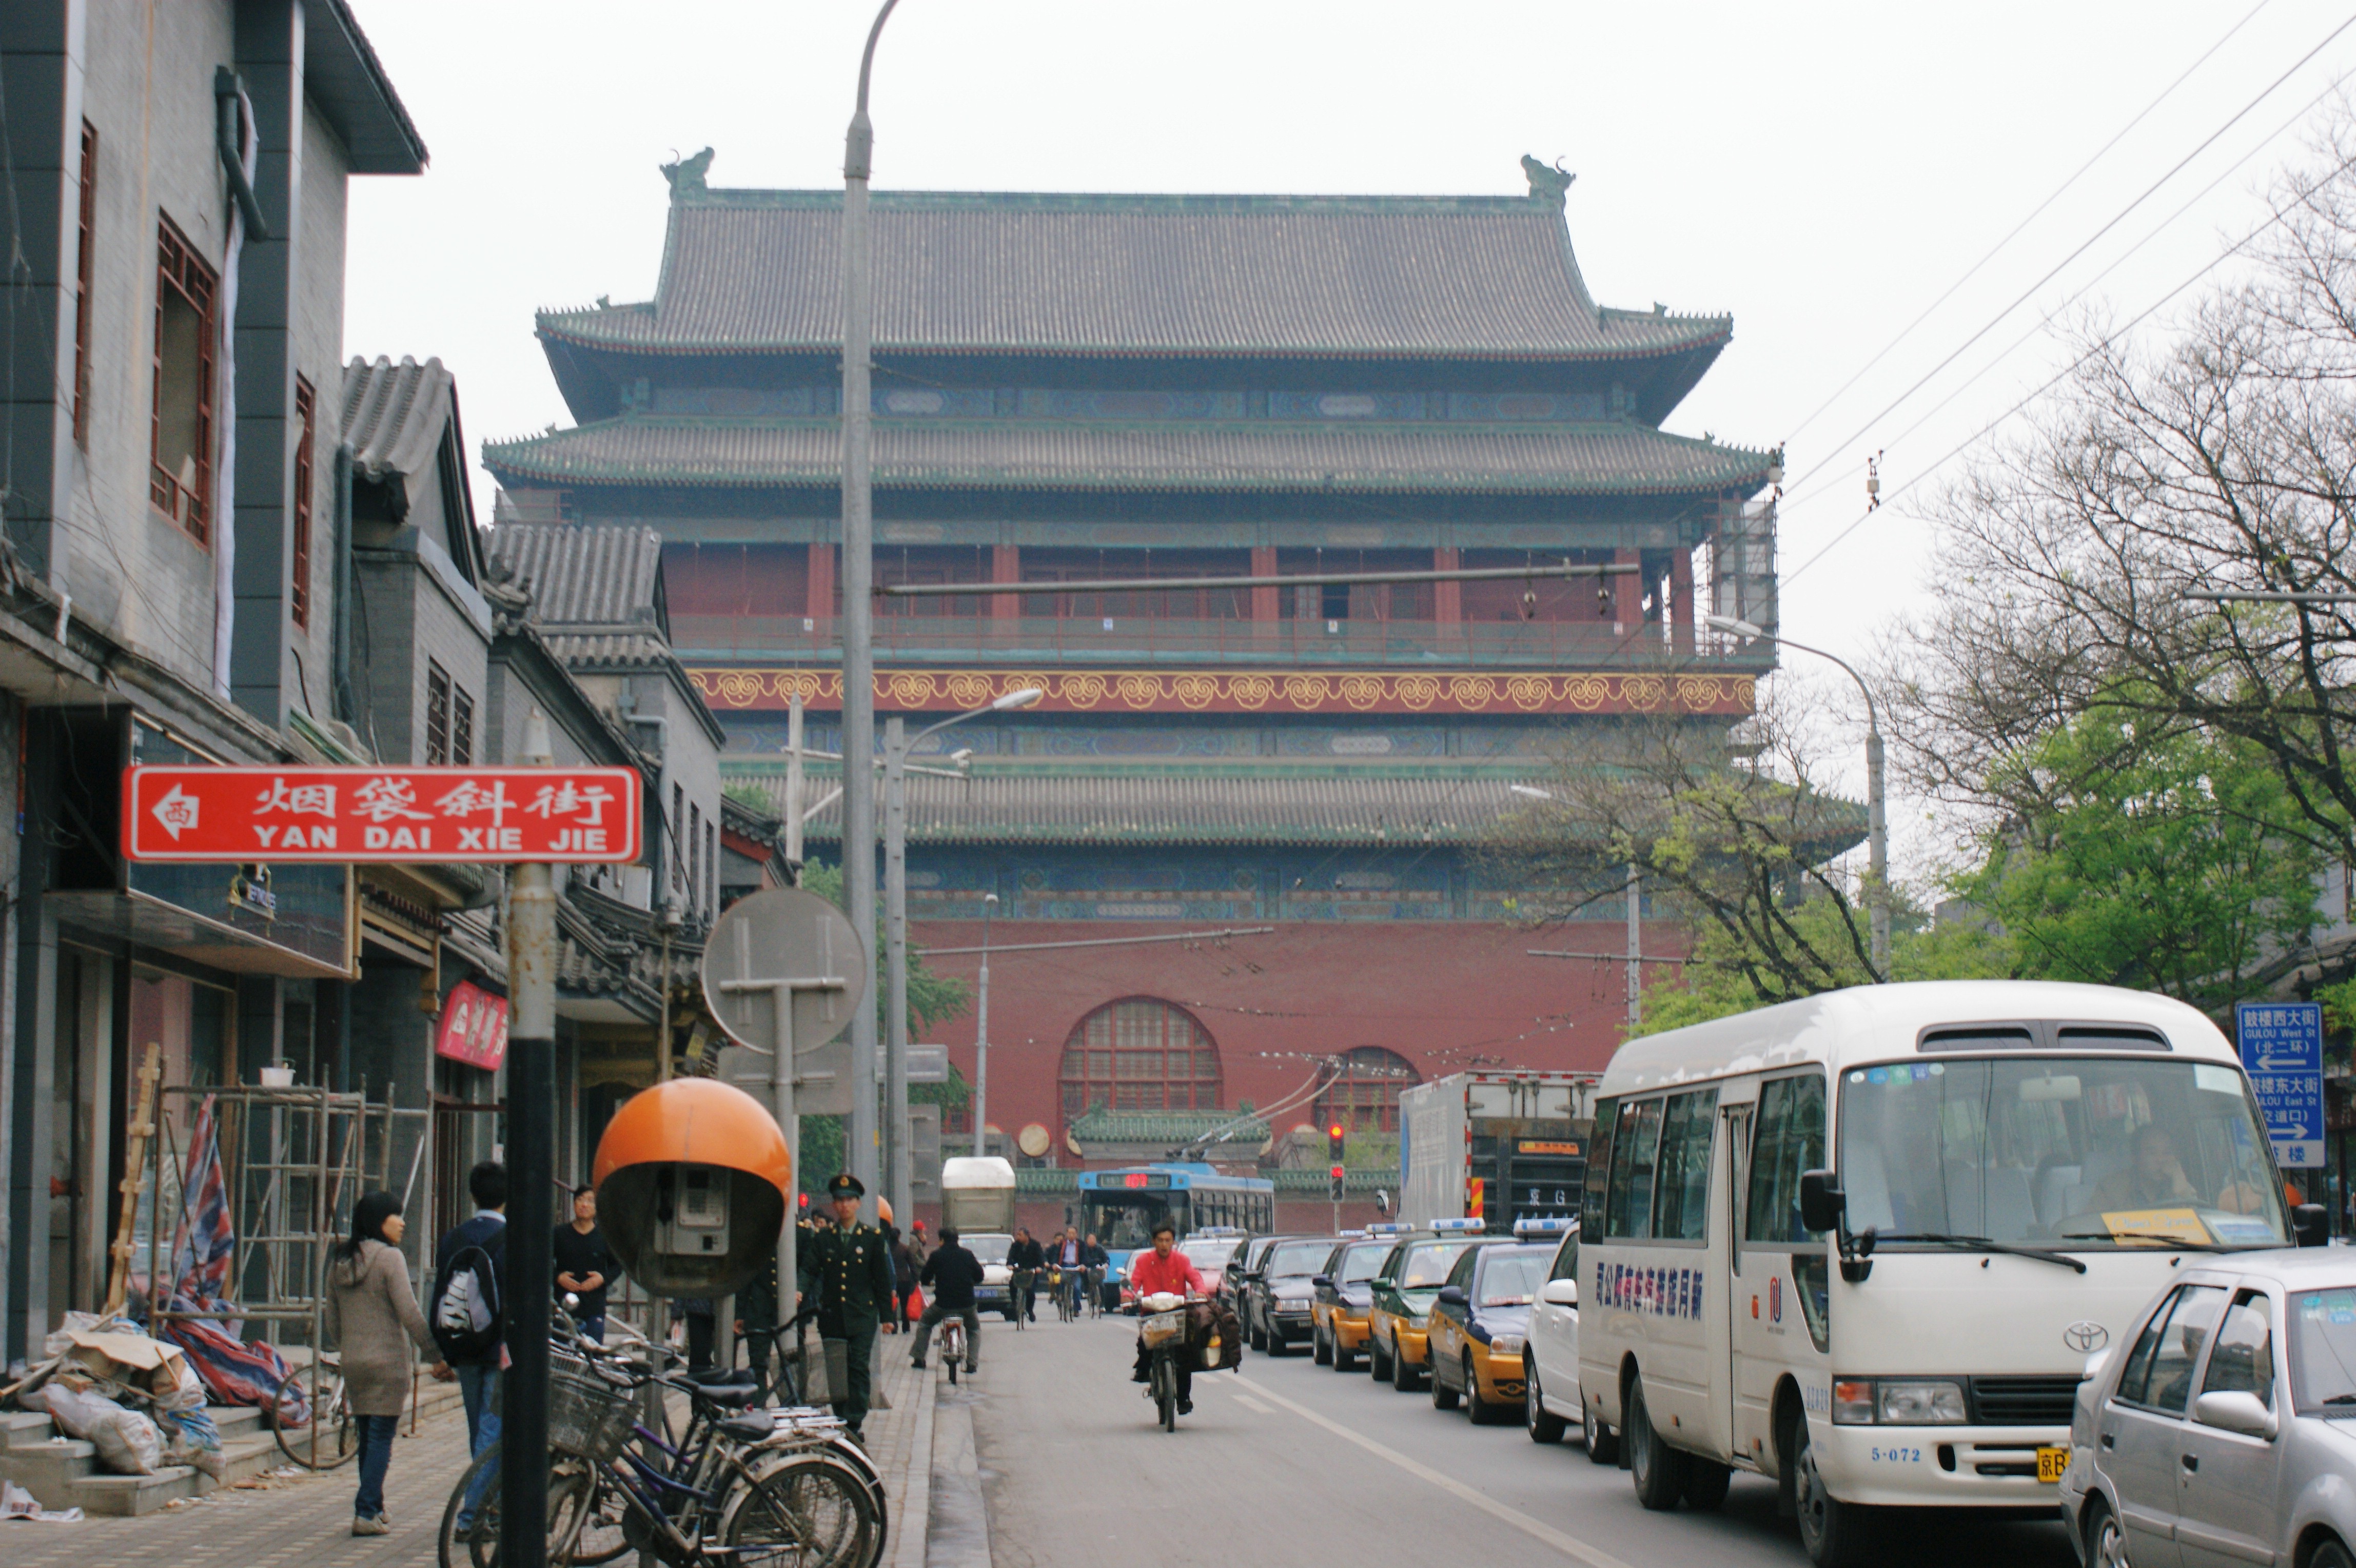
(1494, 1146)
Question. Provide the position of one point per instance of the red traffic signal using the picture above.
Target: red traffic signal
(1337, 1173)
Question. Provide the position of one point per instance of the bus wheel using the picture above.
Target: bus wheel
(1658, 1470)
(1831, 1532)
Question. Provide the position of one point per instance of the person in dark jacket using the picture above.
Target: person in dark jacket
(950, 1275)
(479, 1379)
(1026, 1258)
(904, 1268)
(585, 1265)
(849, 1271)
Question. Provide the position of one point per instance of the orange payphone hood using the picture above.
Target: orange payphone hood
(696, 1121)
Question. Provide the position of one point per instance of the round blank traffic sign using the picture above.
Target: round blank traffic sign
(785, 934)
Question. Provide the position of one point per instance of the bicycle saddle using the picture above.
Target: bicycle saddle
(737, 1394)
(747, 1428)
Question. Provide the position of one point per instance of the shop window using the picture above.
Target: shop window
(180, 474)
(1363, 1096)
(1140, 1055)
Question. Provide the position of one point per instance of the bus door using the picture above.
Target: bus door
(1737, 1107)
(1776, 1278)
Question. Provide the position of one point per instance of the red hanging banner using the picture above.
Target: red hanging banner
(382, 815)
(472, 1027)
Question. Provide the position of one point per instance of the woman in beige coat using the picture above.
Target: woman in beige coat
(372, 1315)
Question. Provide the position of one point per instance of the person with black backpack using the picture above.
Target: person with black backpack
(469, 1285)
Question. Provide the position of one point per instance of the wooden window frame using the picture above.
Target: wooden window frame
(181, 271)
(85, 283)
(1078, 1082)
(462, 726)
(299, 594)
(438, 686)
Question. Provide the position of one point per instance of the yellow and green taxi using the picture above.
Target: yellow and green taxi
(1479, 1322)
(1337, 1309)
(1401, 1294)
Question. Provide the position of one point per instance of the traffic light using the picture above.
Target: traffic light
(1338, 1184)
(1334, 1137)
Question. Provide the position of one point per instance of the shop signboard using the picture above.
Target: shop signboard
(381, 816)
(2282, 1048)
(472, 1027)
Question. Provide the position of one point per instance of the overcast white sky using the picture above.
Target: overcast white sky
(1825, 172)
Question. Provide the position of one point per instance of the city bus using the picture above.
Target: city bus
(1864, 1244)
(1120, 1208)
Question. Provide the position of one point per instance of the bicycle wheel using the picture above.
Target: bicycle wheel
(603, 1534)
(329, 1437)
(810, 1511)
(573, 1497)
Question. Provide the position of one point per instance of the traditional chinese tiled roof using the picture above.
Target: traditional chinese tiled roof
(586, 580)
(393, 416)
(1610, 457)
(1356, 277)
(1099, 1125)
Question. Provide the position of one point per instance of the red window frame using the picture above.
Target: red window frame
(1148, 1032)
(299, 594)
(181, 271)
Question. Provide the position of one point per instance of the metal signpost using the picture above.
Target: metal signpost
(785, 973)
(2282, 1048)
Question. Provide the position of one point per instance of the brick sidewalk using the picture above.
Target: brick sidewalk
(301, 1520)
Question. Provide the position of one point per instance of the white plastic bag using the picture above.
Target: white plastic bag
(128, 1442)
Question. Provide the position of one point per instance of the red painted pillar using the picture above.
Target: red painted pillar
(1005, 566)
(1264, 605)
(1627, 592)
(821, 603)
(1684, 614)
(1447, 598)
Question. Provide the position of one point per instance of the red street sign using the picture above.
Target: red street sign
(381, 815)
(473, 1029)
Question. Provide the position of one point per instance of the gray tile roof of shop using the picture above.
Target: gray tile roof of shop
(1100, 1125)
(989, 272)
(1611, 458)
(393, 415)
(1185, 805)
(581, 577)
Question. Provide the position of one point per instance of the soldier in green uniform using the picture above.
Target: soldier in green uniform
(850, 1267)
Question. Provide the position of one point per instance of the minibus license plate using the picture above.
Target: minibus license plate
(2051, 1462)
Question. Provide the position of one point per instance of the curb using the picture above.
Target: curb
(913, 1533)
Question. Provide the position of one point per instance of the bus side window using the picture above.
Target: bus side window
(1599, 1168)
(1789, 1139)
(1635, 1145)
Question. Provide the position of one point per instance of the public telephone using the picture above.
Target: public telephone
(692, 1177)
(691, 1211)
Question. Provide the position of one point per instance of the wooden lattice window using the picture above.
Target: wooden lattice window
(462, 726)
(1141, 1054)
(180, 475)
(1364, 1095)
(299, 598)
(85, 279)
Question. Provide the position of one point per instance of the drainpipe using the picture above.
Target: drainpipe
(228, 93)
(340, 692)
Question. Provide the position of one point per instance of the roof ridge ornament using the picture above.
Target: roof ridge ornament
(685, 175)
(1546, 183)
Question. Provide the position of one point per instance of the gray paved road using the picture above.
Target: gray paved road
(1286, 1458)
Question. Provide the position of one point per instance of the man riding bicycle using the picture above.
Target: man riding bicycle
(1071, 1258)
(949, 1275)
(1165, 1269)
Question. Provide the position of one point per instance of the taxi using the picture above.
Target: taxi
(1401, 1295)
(1479, 1324)
(1340, 1294)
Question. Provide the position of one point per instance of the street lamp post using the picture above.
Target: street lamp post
(897, 744)
(1877, 811)
(858, 610)
(981, 1034)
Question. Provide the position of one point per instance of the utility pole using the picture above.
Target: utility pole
(858, 609)
(531, 1208)
(1635, 953)
(899, 1174)
(981, 1034)
(794, 783)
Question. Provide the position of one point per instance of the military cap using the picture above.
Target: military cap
(845, 1186)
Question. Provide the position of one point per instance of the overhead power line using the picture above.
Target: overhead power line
(2116, 219)
(1973, 270)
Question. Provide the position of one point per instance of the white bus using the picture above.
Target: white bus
(1863, 1243)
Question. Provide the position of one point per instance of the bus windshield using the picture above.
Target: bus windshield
(1124, 1221)
(2087, 1151)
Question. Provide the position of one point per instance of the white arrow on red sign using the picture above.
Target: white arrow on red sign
(382, 815)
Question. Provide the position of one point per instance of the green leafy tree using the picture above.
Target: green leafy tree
(2163, 858)
(931, 999)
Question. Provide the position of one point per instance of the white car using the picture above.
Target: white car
(2222, 1429)
(1550, 1400)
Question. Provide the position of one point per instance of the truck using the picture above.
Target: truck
(978, 1195)
(1496, 1146)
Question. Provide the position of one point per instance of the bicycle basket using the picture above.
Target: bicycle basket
(1162, 1327)
(586, 1414)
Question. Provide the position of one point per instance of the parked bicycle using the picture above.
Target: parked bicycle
(311, 1415)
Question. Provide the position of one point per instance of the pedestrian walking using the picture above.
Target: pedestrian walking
(468, 1320)
(373, 1318)
(585, 1265)
(851, 1269)
(903, 1278)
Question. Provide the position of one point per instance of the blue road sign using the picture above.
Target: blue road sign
(2282, 1047)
